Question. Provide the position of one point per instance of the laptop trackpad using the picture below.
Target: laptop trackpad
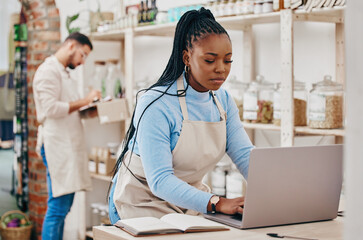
(231, 220)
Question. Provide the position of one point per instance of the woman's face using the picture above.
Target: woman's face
(209, 61)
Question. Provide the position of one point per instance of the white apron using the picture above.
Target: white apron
(65, 147)
(200, 146)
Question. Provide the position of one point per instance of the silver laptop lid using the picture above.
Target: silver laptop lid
(293, 185)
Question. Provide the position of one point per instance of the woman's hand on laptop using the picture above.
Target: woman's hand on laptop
(230, 206)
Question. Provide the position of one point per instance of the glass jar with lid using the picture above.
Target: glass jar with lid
(300, 104)
(237, 89)
(114, 80)
(258, 101)
(326, 104)
(99, 76)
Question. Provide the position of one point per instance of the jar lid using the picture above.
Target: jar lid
(297, 85)
(234, 83)
(328, 85)
(260, 84)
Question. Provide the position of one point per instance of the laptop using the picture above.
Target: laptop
(288, 185)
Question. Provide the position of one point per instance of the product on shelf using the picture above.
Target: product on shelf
(326, 104)
(114, 81)
(234, 183)
(99, 77)
(237, 89)
(300, 99)
(258, 101)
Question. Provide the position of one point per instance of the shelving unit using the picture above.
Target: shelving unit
(245, 23)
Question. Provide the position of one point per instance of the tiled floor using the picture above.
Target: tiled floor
(7, 201)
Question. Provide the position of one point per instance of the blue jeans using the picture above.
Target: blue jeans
(112, 212)
(58, 208)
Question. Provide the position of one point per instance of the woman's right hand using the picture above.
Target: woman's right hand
(230, 206)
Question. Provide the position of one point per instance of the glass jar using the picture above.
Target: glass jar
(234, 183)
(95, 212)
(237, 89)
(258, 101)
(114, 80)
(300, 100)
(99, 76)
(218, 178)
(326, 104)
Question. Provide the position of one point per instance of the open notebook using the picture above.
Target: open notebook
(169, 223)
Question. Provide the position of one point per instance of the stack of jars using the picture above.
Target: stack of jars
(258, 101)
(99, 214)
(226, 180)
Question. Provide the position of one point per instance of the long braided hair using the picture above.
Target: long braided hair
(192, 26)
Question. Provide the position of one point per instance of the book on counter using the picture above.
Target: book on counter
(168, 224)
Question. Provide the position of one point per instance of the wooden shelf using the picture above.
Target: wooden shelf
(101, 177)
(239, 22)
(261, 126)
(298, 130)
(327, 132)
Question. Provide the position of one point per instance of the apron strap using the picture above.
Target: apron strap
(219, 106)
(182, 102)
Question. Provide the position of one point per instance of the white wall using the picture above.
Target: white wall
(354, 139)
(7, 7)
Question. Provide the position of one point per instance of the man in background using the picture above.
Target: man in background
(61, 135)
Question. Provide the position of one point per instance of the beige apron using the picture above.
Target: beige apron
(200, 146)
(65, 148)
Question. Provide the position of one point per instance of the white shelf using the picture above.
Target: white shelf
(298, 130)
(239, 22)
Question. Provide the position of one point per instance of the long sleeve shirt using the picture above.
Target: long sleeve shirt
(158, 132)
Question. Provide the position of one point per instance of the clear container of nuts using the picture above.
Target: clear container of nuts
(300, 106)
(258, 101)
(326, 104)
(237, 89)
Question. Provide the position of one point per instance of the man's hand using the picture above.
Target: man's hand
(93, 95)
(92, 113)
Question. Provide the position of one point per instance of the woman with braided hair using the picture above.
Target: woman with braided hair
(181, 127)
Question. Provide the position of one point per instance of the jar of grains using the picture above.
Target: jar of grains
(300, 104)
(326, 104)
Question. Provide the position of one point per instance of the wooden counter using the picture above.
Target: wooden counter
(329, 230)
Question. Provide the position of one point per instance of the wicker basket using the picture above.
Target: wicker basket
(15, 233)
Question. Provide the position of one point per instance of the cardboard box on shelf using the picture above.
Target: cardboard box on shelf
(108, 111)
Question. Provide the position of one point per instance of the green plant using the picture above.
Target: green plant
(71, 19)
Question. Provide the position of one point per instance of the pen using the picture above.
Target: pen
(275, 235)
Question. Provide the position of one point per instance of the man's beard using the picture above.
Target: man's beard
(70, 60)
(71, 66)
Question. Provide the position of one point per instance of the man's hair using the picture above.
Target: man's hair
(80, 38)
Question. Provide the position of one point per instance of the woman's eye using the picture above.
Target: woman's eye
(229, 61)
(209, 61)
